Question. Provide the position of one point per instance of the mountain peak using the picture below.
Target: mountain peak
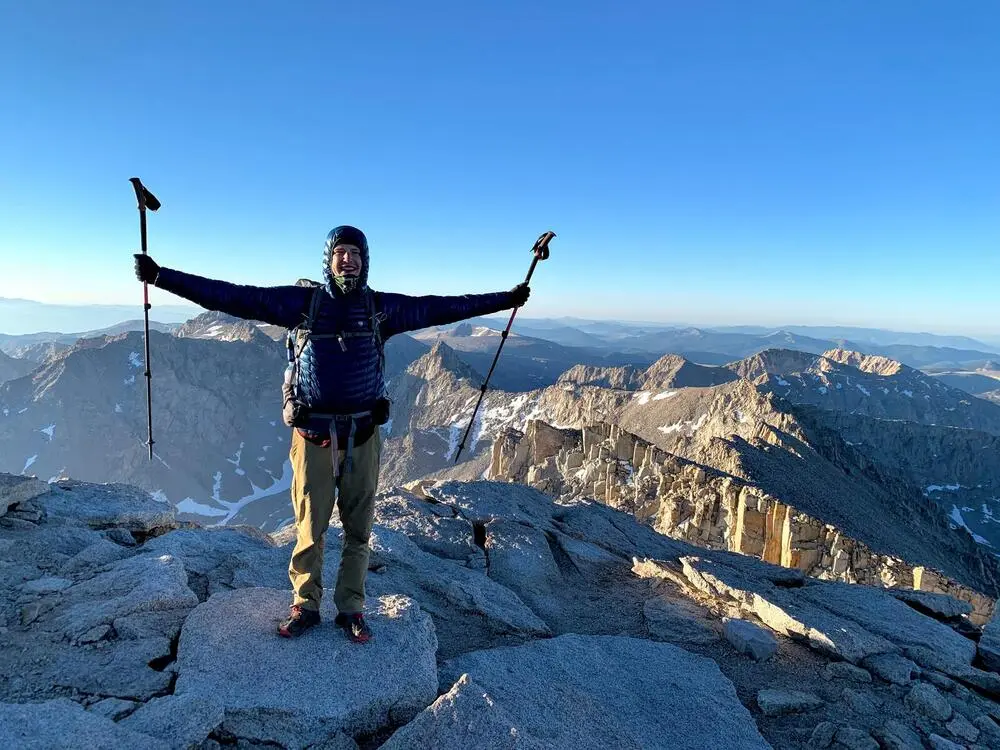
(772, 362)
(443, 361)
(674, 371)
(872, 363)
(220, 327)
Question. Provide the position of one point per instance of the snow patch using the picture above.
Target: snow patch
(454, 435)
(240, 472)
(862, 389)
(29, 462)
(943, 488)
(235, 460)
(135, 359)
(118, 409)
(664, 394)
(190, 505)
(130, 380)
(823, 390)
(49, 430)
(782, 381)
(642, 397)
(159, 496)
(282, 484)
(956, 516)
(688, 428)
(21, 411)
(907, 393)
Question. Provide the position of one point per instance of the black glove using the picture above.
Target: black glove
(146, 269)
(519, 294)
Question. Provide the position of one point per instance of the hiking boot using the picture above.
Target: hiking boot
(354, 626)
(299, 621)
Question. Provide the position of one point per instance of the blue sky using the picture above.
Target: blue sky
(723, 162)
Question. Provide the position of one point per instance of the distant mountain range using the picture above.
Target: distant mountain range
(37, 347)
(718, 346)
(896, 462)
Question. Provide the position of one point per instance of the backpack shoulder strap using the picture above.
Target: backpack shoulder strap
(300, 334)
(314, 307)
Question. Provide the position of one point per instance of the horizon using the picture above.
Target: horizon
(742, 166)
(189, 311)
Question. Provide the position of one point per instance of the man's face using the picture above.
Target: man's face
(345, 260)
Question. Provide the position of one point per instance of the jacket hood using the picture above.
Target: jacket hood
(342, 235)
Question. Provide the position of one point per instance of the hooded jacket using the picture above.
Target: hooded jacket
(337, 374)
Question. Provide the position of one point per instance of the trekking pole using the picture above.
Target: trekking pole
(146, 200)
(541, 252)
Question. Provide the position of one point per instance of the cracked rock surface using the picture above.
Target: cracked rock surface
(500, 616)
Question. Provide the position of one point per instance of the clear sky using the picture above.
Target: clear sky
(708, 162)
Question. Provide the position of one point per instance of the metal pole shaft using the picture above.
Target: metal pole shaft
(496, 357)
(145, 311)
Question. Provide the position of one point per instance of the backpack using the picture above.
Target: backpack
(293, 411)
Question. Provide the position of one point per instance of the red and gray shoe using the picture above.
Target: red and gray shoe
(354, 625)
(299, 621)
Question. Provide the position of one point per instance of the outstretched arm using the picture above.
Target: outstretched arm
(279, 305)
(405, 313)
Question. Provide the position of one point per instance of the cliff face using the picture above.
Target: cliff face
(724, 510)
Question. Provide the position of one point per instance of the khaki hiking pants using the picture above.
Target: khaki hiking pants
(314, 491)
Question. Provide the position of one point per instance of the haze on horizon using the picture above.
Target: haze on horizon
(19, 317)
(774, 165)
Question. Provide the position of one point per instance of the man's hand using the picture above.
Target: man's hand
(146, 269)
(519, 294)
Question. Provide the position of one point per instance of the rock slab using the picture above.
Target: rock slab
(466, 716)
(780, 702)
(567, 691)
(927, 700)
(301, 691)
(750, 639)
(185, 721)
(61, 724)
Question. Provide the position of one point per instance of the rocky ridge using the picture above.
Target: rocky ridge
(221, 327)
(12, 368)
(125, 627)
(718, 509)
(869, 385)
(221, 448)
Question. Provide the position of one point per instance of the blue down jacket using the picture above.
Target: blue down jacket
(332, 380)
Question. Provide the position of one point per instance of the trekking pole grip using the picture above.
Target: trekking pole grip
(541, 247)
(541, 252)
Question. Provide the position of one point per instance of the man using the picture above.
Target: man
(334, 403)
